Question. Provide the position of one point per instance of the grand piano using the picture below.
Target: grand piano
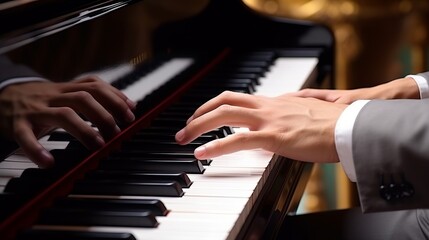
(169, 57)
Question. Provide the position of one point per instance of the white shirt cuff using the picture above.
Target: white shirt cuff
(343, 137)
(423, 85)
(20, 80)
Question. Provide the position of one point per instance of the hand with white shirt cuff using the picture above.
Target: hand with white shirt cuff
(298, 128)
(309, 125)
(345, 123)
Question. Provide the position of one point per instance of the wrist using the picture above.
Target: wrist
(20, 80)
(403, 88)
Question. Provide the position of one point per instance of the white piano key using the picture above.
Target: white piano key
(211, 192)
(197, 222)
(248, 185)
(227, 178)
(48, 145)
(18, 157)
(156, 78)
(13, 165)
(163, 232)
(195, 204)
(254, 159)
(110, 75)
(17, 165)
(11, 172)
(217, 192)
(186, 203)
(239, 171)
(174, 224)
(4, 180)
(287, 75)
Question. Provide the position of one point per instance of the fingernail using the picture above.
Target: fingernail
(117, 129)
(180, 135)
(200, 152)
(130, 116)
(131, 104)
(190, 119)
(100, 142)
(47, 159)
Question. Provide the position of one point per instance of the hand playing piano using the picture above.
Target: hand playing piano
(30, 110)
(403, 88)
(294, 127)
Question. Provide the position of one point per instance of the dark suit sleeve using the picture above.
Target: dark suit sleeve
(391, 154)
(9, 70)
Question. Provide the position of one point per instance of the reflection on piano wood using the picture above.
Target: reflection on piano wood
(142, 185)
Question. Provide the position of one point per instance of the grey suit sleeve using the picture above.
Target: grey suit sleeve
(391, 151)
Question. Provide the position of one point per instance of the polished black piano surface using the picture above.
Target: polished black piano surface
(169, 56)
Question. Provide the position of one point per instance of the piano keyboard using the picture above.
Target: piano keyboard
(205, 200)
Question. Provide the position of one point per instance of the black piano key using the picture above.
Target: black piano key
(41, 234)
(252, 76)
(175, 114)
(215, 88)
(199, 98)
(158, 95)
(130, 188)
(26, 186)
(213, 82)
(158, 156)
(168, 133)
(39, 173)
(61, 137)
(267, 56)
(187, 108)
(169, 122)
(162, 140)
(164, 130)
(41, 176)
(161, 149)
(156, 130)
(188, 166)
(67, 158)
(170, 138)
(154, 206)
(181, 178)
(248, 63)
(243, 70)
(74, 145)
(227, 130)
(33, 181)
(158, 146)
(176, 124)
(139, 72)
(10, 202)
(151, 139)
(89, 217)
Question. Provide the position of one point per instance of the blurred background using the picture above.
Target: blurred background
(376, 41)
